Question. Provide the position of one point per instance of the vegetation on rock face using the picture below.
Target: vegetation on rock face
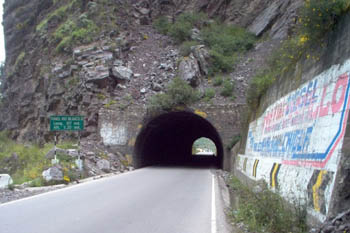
(178, 93)
(317, 18)
(76, 22)
(225, 42)
(266, 211)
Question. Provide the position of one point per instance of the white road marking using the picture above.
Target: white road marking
(213, 206)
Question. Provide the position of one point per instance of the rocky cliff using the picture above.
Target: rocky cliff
(75, 57)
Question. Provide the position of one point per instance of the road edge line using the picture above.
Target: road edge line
(213, 206)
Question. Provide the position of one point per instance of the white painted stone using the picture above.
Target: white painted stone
(5, 180)
(114, 135)
(104, 165)
(53, 173)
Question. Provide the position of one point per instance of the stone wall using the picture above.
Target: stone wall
(300, 133)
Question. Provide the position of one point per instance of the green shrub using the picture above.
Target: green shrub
(209, 94)
(185, 48)
(218, 81)
(162, 25)
(195, 19)
(180, 31)
(220, 62)
(178, 93)
(266, 211)
(227, 89)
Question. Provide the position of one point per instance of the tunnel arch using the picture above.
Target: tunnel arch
(168, 139)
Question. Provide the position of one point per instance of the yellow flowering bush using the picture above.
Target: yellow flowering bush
(320, 16)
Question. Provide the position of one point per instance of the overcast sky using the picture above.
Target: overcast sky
(2, 49)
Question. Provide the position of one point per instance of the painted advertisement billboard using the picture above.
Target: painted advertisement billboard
(307, 126)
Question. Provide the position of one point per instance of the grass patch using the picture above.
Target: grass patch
(266, 211)
(66, 27)
(31, 161)
(178, 93)
(230, 39)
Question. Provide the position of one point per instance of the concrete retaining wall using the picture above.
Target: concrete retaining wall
(300, 135)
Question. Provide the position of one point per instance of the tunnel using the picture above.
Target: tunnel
(168, 138)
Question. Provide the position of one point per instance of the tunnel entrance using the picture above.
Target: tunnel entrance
(168, 138)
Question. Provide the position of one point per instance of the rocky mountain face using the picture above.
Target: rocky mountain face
(59, 63)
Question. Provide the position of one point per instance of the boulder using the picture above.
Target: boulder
(104, 165)
(189, 71)
(122, 73)
(202, 56)
(98, 76)
(53, 173)
(5, 180)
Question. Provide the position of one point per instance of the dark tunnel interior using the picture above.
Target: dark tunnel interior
(168, 138)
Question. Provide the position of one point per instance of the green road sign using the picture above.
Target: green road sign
(66, 123)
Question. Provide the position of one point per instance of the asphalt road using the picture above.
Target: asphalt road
(149, 200)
